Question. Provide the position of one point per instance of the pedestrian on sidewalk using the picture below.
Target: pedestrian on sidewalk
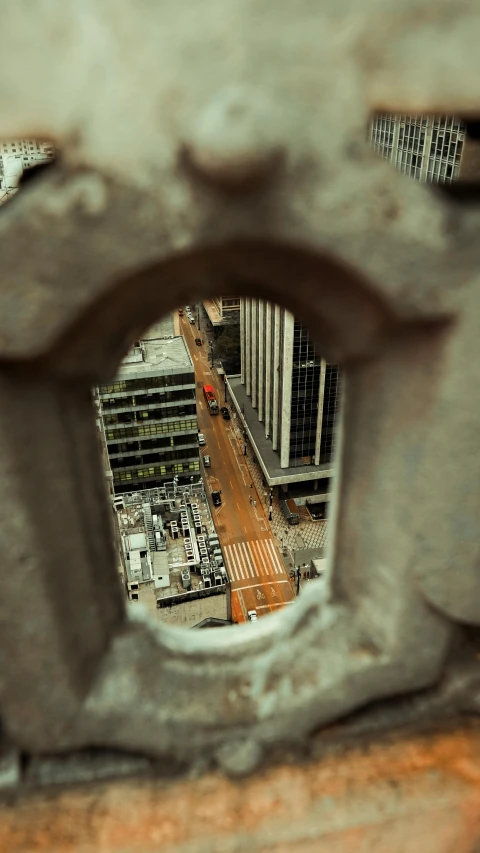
(255, 504)
(251, 485)
(251, 500)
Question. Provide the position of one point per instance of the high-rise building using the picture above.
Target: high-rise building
(222, 310)
(149, 416)
(426, 148)
(17, 155)
(288, 396)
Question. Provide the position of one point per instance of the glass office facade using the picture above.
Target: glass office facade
(150, 429)
(306, 373)
(295, 392)
(426, 148)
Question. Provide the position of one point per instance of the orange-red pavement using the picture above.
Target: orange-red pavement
(254, 563)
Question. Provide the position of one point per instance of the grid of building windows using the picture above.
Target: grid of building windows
(149, 416)
(306, 373)
(331, 408)
(292, 388)
(426, 148)
(446, 147)
(382, 135)
(17, 155)
(410, 149)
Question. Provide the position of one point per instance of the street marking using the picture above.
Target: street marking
(280, 569)
(249, 559)
(230, 558)
(244, 561)
(269, 557)
(254, 585)
(230, 566)
(237, 460)
(236, 563)
(270, 569)
(254, 558)
(260, 559)
(239, 508)
(273, 604)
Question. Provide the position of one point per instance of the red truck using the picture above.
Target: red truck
(209, 395)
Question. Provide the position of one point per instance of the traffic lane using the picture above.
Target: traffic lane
(257, 601)
(239, 613)
(265, 596)
(232, 486)
(217, 476)
(269, 593)
(236, 516)
(221, 474)
(224, 473)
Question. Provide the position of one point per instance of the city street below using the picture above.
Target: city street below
(253, 561)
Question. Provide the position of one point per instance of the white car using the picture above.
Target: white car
(201, 438)
(252, 616)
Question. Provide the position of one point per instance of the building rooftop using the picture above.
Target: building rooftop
(213, 312)
(156, 356)
(268, 457)
(156, 568)
(164, 328)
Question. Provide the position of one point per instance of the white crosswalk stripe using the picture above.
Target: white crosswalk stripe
(264, 545)
(262, 566)
(241, 559)
(279, 568)
(247, 558)
(254, 559)
(239, 563)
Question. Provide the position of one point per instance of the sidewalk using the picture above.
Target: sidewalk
(306, 536)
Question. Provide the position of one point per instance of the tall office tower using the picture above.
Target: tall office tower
(426, 148)
(288, 396)
(149, 416)
(222, 310)
(17, 155)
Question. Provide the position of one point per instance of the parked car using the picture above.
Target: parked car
(201, 438)
(217, 498)
(198, 342)
(252, 616)
(192, 319)
(225, 413)
(206, 461)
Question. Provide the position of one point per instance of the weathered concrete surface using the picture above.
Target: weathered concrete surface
(385, 273)
(413, 795)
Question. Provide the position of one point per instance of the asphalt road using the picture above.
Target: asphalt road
(253, 561)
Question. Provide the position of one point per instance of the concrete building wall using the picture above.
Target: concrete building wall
(248, 346)
(268, 333)
(268, 368)
(321, 392)
(242, 340)
(254, 342)
(426, 148)
(286, 393)
(261, 359)
(149, 420)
